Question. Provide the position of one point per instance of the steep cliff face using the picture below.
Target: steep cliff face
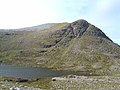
(80, 28)
(76, 46)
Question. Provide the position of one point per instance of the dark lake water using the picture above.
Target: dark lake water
(30, 72)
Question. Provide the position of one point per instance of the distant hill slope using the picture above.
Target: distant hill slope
(76, 46)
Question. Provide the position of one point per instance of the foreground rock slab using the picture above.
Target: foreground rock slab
(86, 83)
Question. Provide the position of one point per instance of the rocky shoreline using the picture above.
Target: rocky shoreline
(8, 83)
(69, 82)
(5, 85)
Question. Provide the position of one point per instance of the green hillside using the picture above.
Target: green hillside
(76, 46)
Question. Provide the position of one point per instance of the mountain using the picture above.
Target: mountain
(76, 46)
(39, 27)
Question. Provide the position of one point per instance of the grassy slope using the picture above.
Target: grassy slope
(24, 44)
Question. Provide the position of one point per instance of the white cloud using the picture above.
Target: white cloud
(21, 13)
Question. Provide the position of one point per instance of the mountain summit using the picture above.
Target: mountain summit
(76, 46)
(80, 27)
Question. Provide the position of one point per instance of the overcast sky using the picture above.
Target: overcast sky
(104, 14)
